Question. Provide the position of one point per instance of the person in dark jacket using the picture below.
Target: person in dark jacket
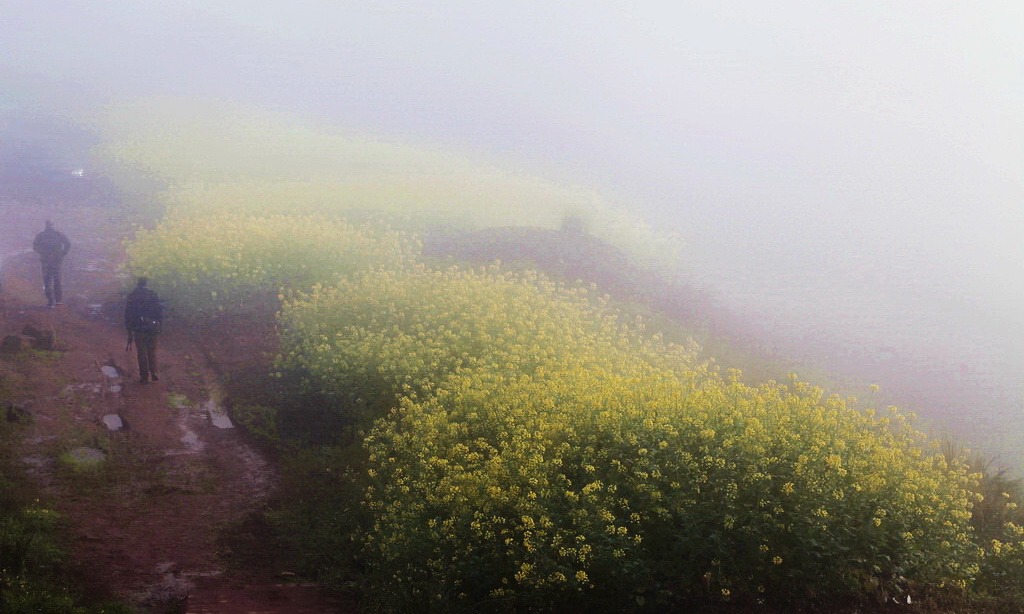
(52, 245)
(143, 317)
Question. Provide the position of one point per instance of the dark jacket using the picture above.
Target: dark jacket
(52, 246)
(143, 308)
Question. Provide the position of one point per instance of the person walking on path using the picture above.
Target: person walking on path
(52, 245)
(143, 317)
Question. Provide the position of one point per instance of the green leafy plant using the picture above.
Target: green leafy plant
(33, 563)
(258, 420)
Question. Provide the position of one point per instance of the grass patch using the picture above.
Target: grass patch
(178, 401)
(34, 576)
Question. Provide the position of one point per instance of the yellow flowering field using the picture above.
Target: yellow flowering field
(541, 451)
(179, 156)
(652, 487)
(528, 447)
(206, 264)
(387, 333)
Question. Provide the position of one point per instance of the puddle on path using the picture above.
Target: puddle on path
(218, 415)
(191, 440)
(96, 265)
(38, 462)
(73, 388)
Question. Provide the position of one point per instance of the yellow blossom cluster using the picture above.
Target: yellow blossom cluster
(206, 264)
(387, 333)
(745, 487)
(1002, 565)
(527, 437)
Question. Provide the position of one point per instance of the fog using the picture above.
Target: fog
(845, 176)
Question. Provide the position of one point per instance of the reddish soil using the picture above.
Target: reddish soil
(145, 527)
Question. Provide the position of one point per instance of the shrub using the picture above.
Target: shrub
(317, 513)
(259, 421)
(589, 486)
(32, 567)
(1002, 569)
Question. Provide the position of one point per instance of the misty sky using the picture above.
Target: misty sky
(847, 172)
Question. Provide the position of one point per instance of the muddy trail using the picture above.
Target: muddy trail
(147, 475)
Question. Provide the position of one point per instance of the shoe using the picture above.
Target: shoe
(153, 377)
(143, 380)
(59, 303)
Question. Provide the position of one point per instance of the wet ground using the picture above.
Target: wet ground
(147, 475)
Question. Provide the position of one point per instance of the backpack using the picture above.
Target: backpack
(49, 245)
(145, 312)
(145, 324)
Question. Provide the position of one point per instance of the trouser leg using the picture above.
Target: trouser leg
(48, 283)
(145, 346)
(140, 352)
(151, 356)
(58, 294)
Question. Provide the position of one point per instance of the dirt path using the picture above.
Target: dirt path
(145, 522)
